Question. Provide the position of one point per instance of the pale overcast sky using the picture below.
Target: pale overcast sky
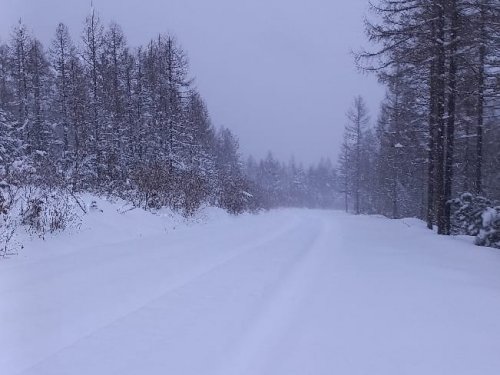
(277, 72)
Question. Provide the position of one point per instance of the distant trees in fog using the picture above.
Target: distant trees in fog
(278, 184)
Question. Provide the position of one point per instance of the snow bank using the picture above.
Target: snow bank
(110, 220)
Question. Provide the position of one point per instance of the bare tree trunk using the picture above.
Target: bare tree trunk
(480, 105)
(432, 150)
(450, 126)
(440, 111)
(358, 167)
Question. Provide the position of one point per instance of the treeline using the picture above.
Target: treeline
(435, 149)
(277, 184)
(101, 116)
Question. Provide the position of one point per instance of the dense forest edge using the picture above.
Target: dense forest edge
(98, 116)
(101, 117)
(434, 152)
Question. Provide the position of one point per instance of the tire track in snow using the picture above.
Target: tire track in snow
(239, 251)
(112, 253)
(277, 317)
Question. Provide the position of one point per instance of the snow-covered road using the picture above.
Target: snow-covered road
(281, 293)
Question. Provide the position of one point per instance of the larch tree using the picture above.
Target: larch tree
(357, 117)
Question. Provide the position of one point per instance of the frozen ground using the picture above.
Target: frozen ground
(281, 293)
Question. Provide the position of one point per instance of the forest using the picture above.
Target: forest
(434, 151)
(99, 116)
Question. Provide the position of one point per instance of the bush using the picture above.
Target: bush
(477, 216)
(8, 221)
(48, 211)
(467, 213)
(489, 235)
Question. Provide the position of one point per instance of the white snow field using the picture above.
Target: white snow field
(286, 292)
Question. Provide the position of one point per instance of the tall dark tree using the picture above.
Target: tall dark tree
(62, 52)
(92, 50)
(357, 117)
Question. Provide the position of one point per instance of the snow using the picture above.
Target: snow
(488, 216)
(284, 292)
(247, 194)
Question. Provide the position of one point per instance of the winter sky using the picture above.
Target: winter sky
(279, 73)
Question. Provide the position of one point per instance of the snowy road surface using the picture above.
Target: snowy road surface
(281, 293)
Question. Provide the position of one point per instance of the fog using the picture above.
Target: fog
(279, 73)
